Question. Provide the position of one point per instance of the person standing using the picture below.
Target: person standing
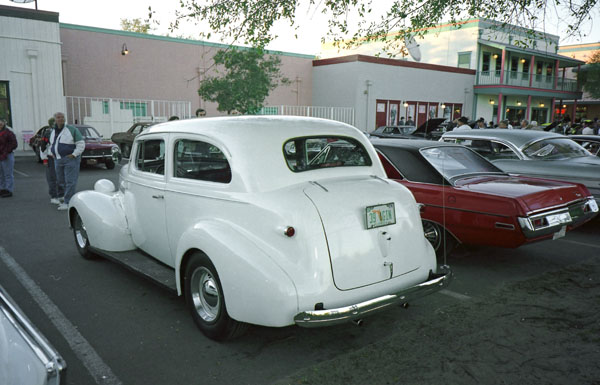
(410, 122)
(462, 124)
(8, 143)
(55, 190)
(66, 146)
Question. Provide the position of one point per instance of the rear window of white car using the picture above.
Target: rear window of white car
(200, 161)
(310, 153)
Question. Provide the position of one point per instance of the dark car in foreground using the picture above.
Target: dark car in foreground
(466, 199)
(534, 153)
(125, 139)
(97, 150)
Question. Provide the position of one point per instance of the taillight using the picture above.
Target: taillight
(289, 231)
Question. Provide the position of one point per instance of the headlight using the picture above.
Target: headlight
(115, 149)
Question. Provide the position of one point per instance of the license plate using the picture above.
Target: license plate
(557, 219)
(560, 233)
(380, 215)
(92, 161)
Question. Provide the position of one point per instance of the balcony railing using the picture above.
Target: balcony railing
(522, 79)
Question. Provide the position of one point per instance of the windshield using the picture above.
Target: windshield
(88, 132)
(452, 161)
(555, 148)
(303, 154)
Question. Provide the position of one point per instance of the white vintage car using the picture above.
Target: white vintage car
(272, 221)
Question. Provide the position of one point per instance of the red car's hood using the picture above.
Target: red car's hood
(536, 193)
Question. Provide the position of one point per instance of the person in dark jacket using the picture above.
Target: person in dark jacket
(56, 190)
(8, 143)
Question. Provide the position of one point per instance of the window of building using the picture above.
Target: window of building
(150, 156)
(514, 66)
(498, 64)
(5, 103)
(139, 109)
(485, 65)
(539, 115)
(200, 161)
(464, 60)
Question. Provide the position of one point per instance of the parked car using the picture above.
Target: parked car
(428, 130)
(251, 228)
(26, 356)
(468, 200)
(589, 142)
(125, 139)
(534, 153)
(97, 150)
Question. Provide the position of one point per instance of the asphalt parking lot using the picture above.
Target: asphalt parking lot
(113, 327)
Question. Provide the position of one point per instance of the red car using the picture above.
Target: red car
(466, 199)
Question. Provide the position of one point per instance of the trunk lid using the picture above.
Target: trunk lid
(535, 193)
(361, 256)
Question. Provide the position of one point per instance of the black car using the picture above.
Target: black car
(125, 139)
(428, 130)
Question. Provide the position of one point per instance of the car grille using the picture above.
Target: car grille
(97, 152)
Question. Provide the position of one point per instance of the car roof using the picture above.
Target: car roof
(245, 138)
(595, 138)
(517, 137)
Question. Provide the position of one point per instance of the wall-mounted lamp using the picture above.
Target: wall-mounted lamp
(522, 60)
(124, 50)
(443, 106)
(405, 104)
(541, 104)
(492, 101)
(518, 102)
(508, 110)
(495, 56)
(564, 106)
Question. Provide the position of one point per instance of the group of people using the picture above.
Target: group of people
(408, 122)
(60, 150)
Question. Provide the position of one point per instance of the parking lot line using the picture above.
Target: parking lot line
(454, 294)
(580, 243)
(101, 373)
(19, 172)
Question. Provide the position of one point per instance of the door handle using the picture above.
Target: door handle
(158, 196)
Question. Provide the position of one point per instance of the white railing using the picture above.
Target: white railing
(110, 115)
(340, 114)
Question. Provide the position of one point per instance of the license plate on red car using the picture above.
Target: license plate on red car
(380, 215)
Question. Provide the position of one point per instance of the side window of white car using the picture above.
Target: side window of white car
(150, 156)
(201, 161)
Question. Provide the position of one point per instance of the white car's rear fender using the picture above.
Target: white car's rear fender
(104, 218)
(256, 289)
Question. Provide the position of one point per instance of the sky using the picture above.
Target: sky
(312, 25)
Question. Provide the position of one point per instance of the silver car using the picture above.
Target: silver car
(534, 153)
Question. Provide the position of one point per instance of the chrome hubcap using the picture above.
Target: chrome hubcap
(432, 233)
(205, 294)
(80, 233)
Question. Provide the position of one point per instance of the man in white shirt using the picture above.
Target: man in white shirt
(587, 130)
(462, 124)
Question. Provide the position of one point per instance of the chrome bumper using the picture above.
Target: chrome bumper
(550, 222)
(319, 318)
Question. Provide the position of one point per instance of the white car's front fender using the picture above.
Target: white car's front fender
(104, 218)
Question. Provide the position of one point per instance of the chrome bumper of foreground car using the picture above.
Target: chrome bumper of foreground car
(550, 222)
(328, 317)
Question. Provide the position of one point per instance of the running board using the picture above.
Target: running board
(142, 264)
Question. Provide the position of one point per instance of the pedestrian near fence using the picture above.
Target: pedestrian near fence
(66, 146)
(8, 143)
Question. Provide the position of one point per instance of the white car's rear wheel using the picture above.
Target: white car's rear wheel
(206, 302)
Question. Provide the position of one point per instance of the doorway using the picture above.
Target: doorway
(5, 103)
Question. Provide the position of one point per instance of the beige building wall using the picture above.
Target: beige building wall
(159, 68)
